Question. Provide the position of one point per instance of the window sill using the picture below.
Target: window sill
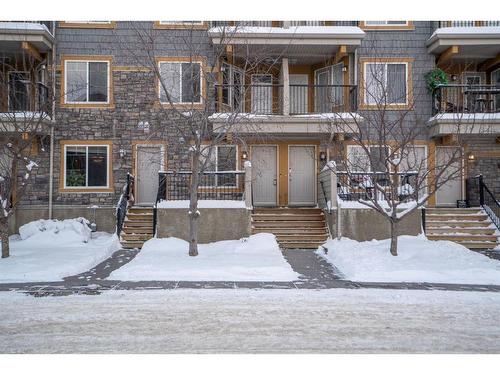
(174, 26)
(86, 190)
(77, 25)
(88, 105)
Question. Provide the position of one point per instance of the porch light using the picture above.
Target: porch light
(244, 155)
(322, 156)
(453, 77)
(122, 152)
(472, 157)
(344, 69)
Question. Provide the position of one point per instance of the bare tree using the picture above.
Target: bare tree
(186, 112)
(25, 104)
(384, 163)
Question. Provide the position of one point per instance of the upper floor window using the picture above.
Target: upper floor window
(386, 23)
(88, 24)
(386, 83)
(181, 82)
(180, 24)
(86, 81)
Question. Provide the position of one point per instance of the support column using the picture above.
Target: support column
(285, 78)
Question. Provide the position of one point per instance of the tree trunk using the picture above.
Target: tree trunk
(394, 238)
(193, 207)
(4, 234)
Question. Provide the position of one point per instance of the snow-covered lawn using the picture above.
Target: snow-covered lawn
(252, 321)
(419, 260)
(257, 258)
(49, 250)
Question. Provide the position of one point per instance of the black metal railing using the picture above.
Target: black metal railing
(468, 23)
(463, 98)
(362, 186)
(303, 99)
(123, 203)
(222, 185)
(21, 100)
(489, 202)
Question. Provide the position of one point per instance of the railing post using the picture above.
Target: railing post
(481, 189)
(248, 185)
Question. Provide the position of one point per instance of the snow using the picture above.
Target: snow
(257, 258)
(290, 31)
(255, 116)
(23, 26)
(202, 204)
(474, 30)
(460, 117)
(252, 321)
(358, 205)
(419, 260)
(54, 253)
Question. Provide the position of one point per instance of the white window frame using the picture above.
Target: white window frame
(184, 23)
(365, 72)
(179, 63)
(88, 82)
(216, 162)
(386, 23)
(108, 166)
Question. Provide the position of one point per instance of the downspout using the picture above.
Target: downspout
(53, 121)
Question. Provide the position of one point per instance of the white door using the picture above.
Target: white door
(299, 93)
(264, 175)
(262, 93)
(301, 175)
(451, 191)
(149, 161)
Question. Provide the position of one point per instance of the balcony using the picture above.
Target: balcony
(466, 109)
(286, 109)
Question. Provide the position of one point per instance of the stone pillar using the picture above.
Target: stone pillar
(248, 185)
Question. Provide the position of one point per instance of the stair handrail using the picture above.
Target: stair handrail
(489, 202)
(161, 194)
(124, 203)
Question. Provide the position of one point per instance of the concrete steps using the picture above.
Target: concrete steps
(470, 227)
(137, 227)
(294, 228)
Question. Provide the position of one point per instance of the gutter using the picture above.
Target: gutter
(51, 157)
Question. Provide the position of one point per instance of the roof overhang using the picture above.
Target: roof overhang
(345, 123)
(464, 123)
(12, 34)
(472, 42)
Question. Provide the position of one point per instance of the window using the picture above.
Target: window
(88, 24)
(181, 82)
(385, 83)
(195, 25)
(181, 22)
(86, 82)
(233, 87)
(19, 91)
(221, 158)
(329, 93)
(372, 166)
(386, 23)
(86, 166)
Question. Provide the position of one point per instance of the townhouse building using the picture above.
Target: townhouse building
(295, 87)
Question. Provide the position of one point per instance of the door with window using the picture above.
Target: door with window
(264, 175)
(19, 91)
(301, 175)
(233, 87)
(451, 191)
(149, 161)
(473, 101)
(262, 93)
(299, 93)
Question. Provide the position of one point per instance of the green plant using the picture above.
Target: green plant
(434, 78)
(75, 178)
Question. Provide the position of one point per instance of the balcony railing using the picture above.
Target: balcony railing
(468, 23)
(302, 99)
(22, 98)
(466, 99)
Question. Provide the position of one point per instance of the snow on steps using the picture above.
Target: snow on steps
(470, 227)
(294, 228)
(137, 228)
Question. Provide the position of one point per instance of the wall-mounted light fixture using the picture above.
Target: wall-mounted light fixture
(244, 155)
(122, 152)
(453, 77)
(344, 69)
(471, 157)
(322, 156)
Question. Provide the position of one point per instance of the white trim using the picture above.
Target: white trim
(108, 94)
(365, 70)
(315, 190)
(108, 166)
(180, 81)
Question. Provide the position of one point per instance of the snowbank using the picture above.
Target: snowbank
(257, 258)
(419, 260)
(56, 252)
(69, 230)
(202, 204)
